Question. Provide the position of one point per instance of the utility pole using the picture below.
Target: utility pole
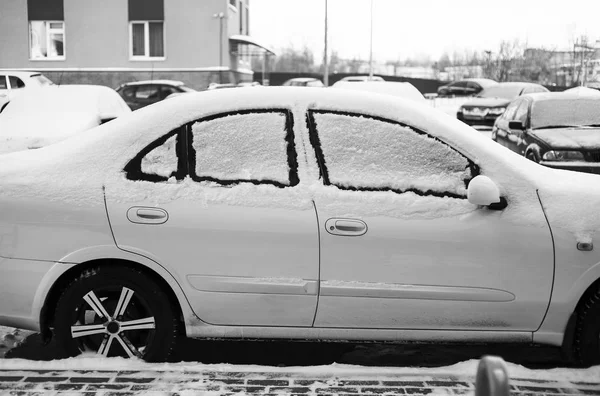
(325, 55)
(371, 47)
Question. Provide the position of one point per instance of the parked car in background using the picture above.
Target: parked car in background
(399, 89)
(292, 213)
(14, 81)
(303, 82)
(583, 91)
(40, 117)
(490, 103)
(143, 93)
(466, 87)
(558, 130)
(362, 78)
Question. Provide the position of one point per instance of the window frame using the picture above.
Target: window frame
(292, 152)
(133, 168)
(49, 30)
(147, 56)
(321, 160)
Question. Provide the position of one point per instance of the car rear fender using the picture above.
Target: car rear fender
(105, 253)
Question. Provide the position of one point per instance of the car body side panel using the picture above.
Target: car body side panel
(40, 229)
(19, 284)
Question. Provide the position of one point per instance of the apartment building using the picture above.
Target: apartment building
(111, 42)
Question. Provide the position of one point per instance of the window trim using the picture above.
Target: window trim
(147, 57)
(321, 161)
(133, 168)
(292, 152)
(48, 31)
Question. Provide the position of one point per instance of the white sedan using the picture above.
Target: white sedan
(288, 213)
(43, 116)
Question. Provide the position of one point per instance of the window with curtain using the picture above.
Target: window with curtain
(47, 40)
(147, 39)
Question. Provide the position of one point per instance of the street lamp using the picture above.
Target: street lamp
(325, 61)
(221, 16)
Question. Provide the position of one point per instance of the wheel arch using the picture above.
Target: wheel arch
(67, 270)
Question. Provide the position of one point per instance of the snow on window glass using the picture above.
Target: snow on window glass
(361, 152)
(162, 160)
(242, 147)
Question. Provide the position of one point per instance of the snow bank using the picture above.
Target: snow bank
(463, 369)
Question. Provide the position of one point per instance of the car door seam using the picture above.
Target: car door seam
(537, 192)
(319, 265)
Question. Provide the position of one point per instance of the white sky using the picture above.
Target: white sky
(408, 28)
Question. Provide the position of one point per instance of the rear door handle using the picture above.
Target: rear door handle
(346, 227)
(145, 215)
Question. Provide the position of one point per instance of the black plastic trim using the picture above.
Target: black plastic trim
(133, 169)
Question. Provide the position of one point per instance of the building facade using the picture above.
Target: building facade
(111, 42)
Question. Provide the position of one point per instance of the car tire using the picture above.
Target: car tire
(587, 331)
(116, 311)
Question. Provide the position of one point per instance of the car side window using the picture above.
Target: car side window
(129, 92)
(359, 152)
(254, 146)
(509, 113)
(161, 160)
(167, 90)
(148, 92)
(15, 82)
(522, 111)
(3, 82)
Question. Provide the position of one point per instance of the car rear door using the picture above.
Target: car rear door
(218, 203)
(402, 248)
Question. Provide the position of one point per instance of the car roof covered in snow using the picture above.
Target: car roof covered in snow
(399, 89)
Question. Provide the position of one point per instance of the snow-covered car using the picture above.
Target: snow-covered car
(37, 118)
(399, 89)
(557, 129)
(489, 104)
(293, 213)
(362, 78)
(12, 82)
(303, 82)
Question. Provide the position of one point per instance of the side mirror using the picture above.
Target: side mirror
(516, 125)
(483, 191)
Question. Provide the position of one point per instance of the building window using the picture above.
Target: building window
(233, 3)
(47, 40)
(147, 39)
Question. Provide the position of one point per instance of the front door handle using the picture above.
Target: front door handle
(145, 215)
(346, 227)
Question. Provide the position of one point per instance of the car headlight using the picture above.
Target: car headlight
(563, 155)
(496, 110)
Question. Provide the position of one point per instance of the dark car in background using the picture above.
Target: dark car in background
(558, 130)
(466, 87)
(490, 103)
(143, 93)
(303, 82)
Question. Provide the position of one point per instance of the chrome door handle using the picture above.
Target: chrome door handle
(346, 227)
(145, 215)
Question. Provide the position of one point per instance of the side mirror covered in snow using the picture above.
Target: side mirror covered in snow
(483, 191)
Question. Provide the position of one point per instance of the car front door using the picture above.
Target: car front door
(218, 203)
(501, 131)
(402, 248)
(515, 135)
